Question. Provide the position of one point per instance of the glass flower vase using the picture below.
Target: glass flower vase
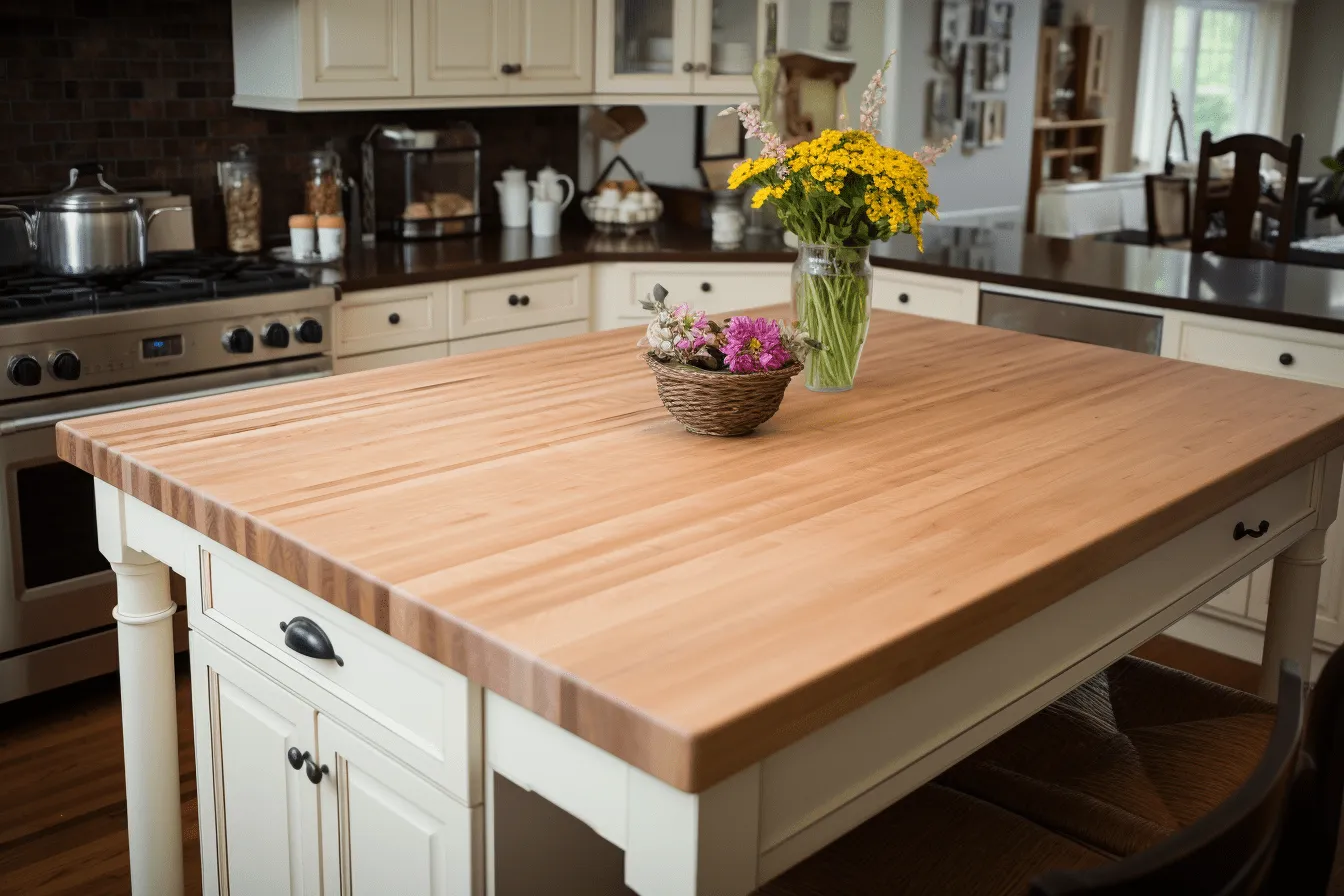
(833, 300)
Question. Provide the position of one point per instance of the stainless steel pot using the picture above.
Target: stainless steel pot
(83, 233)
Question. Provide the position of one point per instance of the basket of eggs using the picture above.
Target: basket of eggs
(622, 206)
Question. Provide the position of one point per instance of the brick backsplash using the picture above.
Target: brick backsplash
(144, 87)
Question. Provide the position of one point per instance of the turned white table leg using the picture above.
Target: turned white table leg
(144, 617)
(1291, 622)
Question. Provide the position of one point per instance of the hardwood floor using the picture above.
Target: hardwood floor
(63, 812)
(63, 809)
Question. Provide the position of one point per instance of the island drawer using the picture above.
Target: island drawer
(517, 301)
(420, 711)
(1263, 348)
(944, 298)
(379, 319)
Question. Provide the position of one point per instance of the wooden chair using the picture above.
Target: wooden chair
(1168, 203)
(1238, 202)
(1069, 798)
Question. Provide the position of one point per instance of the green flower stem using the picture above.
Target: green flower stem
(834, 310)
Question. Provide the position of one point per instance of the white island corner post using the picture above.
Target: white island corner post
(710, 815)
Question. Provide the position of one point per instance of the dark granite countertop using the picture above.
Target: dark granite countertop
(1294, 295)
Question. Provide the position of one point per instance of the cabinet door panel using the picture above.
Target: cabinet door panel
(644, 46)
(265, 812)
(385, 829)
(729, 38)
(554, 46)
(461, 46)
(356, 48)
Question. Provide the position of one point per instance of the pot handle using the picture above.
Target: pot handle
(150, 216)
(84, 169)
(13, 211)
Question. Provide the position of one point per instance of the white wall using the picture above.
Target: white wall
(989, 178)
(1315, 75)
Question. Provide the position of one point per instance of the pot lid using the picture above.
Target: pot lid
(88, 202)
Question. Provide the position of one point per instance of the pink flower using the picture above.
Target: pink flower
(771, 146)
(753, 345)
(874, 98)
(928, 156)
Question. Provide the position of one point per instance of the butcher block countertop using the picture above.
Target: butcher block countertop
(533, 518)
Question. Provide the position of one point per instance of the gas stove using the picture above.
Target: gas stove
(168, 278)
(185, 313)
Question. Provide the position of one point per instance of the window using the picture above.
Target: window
(1210, 59)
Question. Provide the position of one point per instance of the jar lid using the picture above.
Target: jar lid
(88, 202)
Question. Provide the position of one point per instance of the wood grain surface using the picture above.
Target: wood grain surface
(533, 518)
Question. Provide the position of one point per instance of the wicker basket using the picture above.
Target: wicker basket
(720, 404)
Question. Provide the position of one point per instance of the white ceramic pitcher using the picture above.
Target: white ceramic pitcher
(514, 197)
(551, 184)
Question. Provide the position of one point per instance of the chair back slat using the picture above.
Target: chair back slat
(1229, 852)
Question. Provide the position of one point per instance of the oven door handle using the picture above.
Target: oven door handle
(24, 424)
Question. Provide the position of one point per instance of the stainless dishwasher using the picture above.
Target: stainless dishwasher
(1129, 330)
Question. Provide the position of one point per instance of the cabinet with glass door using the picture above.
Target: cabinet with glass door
(683, 46)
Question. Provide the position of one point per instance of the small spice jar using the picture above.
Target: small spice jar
(322, 186)
(241, 186)
(330, 236)
(303, 236)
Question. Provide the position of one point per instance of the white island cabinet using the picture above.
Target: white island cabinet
(404, 584)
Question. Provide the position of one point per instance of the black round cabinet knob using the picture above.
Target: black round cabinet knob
(1286, 359)
(524, 301)
(705, 287)
(394, 318)
(904, 298)
(65, 365)
(238, 341)
(513, 300)
(275, 335)
(25, 371)
(309, 331)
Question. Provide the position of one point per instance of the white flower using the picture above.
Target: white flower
(665, 345)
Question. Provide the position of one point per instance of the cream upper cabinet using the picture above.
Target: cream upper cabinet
(552, 47)
(356, 48)
(682, 46)
(462, 47)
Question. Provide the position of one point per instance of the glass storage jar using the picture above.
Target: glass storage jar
(322, 186)
(241, 187)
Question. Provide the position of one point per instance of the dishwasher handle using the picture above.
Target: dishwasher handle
(41, 421)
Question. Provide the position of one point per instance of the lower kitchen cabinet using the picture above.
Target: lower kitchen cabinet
(387, 830)
(367, 825)
(945, 298)
(715, 287)
(259, 815)
(374, 360)
(516, 337)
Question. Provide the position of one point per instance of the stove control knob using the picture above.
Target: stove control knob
(64, 365)
(309, 331)
(275, 335)
(25, 371)
(238, 340)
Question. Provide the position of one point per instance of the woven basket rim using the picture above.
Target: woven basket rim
(677, 370)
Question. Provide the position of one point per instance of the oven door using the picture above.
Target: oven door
(54, 583)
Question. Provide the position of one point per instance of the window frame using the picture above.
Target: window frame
(1244, 52)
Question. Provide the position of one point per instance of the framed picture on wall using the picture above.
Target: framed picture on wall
(999, 24)
(950, 16)
(837, 26)
(979, 13)
(966, 77)
(994, 66)
(718, 136)
(940, 120)
(991, 122)
(970, 124)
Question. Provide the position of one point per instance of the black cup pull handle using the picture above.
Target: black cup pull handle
(304, 636)
(1241, 531)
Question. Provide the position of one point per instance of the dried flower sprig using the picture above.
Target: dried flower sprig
(742, 345)
(928, 156)
(874, 97)
(772, 147)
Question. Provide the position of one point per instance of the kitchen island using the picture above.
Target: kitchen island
(719, 654)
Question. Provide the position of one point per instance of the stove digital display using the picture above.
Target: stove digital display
(161, 346)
